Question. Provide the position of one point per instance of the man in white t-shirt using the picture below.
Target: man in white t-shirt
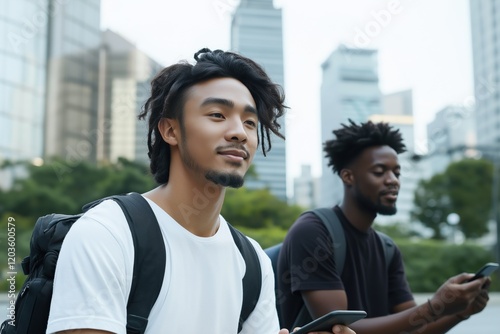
(205, 123)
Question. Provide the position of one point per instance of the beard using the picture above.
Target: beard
(376, 207)
(232, 180)
(224, 179)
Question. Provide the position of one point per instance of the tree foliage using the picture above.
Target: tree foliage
(464, 188)
(258, 209)
(58, 187)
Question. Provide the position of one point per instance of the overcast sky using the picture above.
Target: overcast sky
(423, 45)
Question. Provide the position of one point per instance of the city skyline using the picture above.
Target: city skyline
(423, 46)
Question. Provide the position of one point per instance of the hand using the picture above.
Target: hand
(478, 304)
(456, 295)
(337, 329)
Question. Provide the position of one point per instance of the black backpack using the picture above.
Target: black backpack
(33, 301)
(329, 218)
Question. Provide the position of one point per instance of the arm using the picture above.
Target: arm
(452, 298)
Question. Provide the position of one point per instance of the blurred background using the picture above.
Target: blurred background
(75, 73)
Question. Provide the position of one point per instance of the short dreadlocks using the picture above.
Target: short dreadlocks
(352, 139)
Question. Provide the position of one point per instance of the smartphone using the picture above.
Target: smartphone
(326, 322)
(486, 270)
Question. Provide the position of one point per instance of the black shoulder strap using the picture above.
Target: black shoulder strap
(252, 281)
(331, 221)
(149, 261)
(389, 248)
(329, 218)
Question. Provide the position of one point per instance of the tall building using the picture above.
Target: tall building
(453, 127)
(256, 32)
(73, 39)
(126, 73)
(306, 189)
(485, 25)
(49, 62)
(349, 90)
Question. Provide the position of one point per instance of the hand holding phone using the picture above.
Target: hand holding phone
(486, 270)
(326, 322)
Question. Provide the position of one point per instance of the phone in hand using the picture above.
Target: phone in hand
(486, 270)
(326, 322)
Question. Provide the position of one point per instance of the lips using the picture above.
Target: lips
(390, 195)
(234, 153)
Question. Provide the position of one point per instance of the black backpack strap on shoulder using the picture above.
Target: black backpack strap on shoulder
(389, 248)
(332, 223)
(329, 218)
(149, 261)
(252, 281)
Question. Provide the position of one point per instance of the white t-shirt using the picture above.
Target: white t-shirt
(201, 292)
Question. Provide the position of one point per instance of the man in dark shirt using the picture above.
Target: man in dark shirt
(365, 156)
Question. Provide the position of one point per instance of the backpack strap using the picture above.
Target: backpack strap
(389, 248)
(330, 219)
(252, 281)
(332, 223)
(149, 260)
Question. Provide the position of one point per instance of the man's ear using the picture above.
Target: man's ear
(347, 176)
(168, 130)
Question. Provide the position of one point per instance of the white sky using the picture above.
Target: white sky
(425, 46)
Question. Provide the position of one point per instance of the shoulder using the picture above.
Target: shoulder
(104, 225)
(307, 226)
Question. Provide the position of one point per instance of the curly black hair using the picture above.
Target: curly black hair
(352, 139)
(168, 96)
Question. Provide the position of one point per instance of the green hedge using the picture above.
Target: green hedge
(430, 263)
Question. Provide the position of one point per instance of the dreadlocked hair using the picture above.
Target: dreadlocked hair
(352, 139)
(168, 96)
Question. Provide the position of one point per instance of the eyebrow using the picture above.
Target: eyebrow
(226, 103)
(384, 166)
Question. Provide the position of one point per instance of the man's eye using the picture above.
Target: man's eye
(251, 123)
(217, 115)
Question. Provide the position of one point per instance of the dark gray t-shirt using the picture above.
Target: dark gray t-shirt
(306, 262)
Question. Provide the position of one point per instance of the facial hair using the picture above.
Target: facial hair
(377, 207)
(224, 179)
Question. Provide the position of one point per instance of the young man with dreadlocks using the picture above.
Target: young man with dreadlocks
(205, 122)
(365, 156)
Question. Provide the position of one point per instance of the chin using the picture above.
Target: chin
(225, 179)
(386, 210)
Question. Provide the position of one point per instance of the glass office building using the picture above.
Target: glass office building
(23, 50)
(257, 32)
(73, 44)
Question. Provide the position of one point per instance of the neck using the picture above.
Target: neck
(357, 216)
(193, 204)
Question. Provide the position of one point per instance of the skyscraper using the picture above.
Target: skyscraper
(126, 73)
(49, 62)
(485, 25)
(22, 79)
(257, 33)
(73, 39)
(453, 127)
(349, 90)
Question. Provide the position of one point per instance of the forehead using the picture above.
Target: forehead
(377, 155)
(223, 88)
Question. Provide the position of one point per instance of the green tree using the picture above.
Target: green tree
(463, 188)
(57, 186)
(258, 209)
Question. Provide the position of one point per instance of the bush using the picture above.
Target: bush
(266, 237)
(429, 263)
